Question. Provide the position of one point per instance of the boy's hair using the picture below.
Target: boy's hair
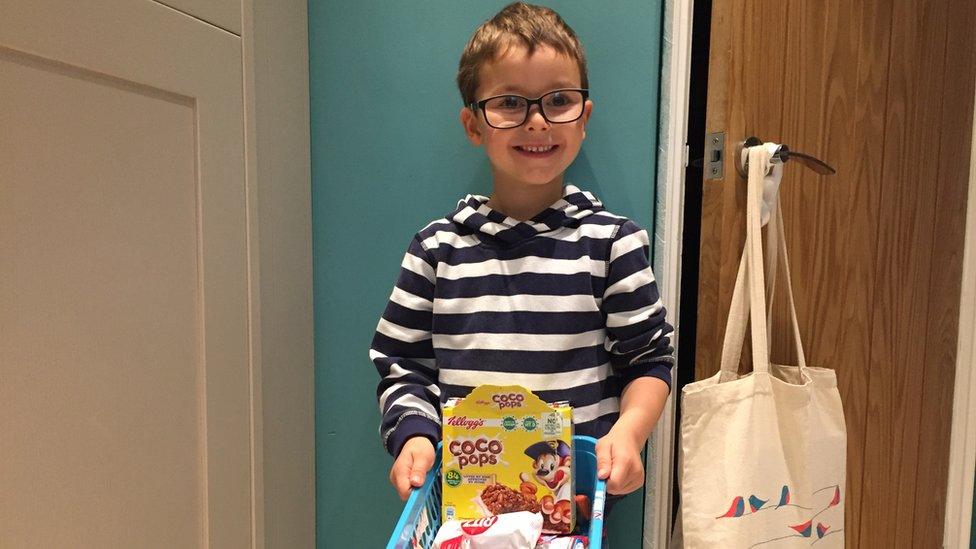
(516, 24)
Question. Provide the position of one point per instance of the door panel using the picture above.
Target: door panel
(884, 93)
(124, 405)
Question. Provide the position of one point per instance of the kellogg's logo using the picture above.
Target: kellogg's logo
(463, 421)
(508, 400)
(479, 526)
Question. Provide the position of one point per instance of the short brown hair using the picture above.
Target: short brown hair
(516, 24)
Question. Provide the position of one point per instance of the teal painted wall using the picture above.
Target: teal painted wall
(388, 156)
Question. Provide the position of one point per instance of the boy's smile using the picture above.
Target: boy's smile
(538, 152)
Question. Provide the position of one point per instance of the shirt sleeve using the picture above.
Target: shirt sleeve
(638, 336)
(403, 353)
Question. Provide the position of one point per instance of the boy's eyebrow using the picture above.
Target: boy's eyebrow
(518, 89)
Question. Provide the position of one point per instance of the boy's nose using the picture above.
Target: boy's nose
(535, 120)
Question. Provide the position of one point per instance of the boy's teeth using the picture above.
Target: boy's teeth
(537, 149)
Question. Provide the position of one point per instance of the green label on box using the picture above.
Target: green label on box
(452, 477)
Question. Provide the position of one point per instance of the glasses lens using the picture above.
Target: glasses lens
(563, 106)
(506, 111)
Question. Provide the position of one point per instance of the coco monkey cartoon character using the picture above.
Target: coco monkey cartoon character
(551, 463)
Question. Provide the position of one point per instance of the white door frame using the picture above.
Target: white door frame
(676, 68)
(278, 178)
(962, 445)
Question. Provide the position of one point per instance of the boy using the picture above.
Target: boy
(537, 285)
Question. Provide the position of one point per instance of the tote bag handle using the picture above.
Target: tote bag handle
(752, 262)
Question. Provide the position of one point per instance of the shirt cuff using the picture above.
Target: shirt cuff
(412, 426)
(660, 370)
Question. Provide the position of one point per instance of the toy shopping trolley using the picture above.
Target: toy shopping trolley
(421, 517)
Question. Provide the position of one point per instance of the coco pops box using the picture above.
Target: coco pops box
(505, 450)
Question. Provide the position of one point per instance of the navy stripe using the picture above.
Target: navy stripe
(597, 249)
(519, 322)
(531, 362)
(521, 284)
(383, 365)
(597, 427)
(396, 348)
(408, 318)
(415, 284)
(626, 265)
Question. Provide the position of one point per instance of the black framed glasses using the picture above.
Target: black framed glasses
(511, 111)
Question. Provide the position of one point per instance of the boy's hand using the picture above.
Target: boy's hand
(619, 462)
(411, 466)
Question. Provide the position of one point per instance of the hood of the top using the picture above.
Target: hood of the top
(493, 226)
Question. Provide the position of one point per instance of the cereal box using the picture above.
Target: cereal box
(505, 450)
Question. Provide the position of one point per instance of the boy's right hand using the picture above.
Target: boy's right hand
(411, 466)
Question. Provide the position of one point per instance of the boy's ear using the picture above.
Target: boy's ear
(469, 120)
(587, 110)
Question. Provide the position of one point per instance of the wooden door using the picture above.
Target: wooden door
(883, 91)
(124, 366)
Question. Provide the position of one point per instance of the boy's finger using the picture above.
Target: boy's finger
(400, 475)
(604, 461)
(617, 482)
(421, 465)
(403, 483)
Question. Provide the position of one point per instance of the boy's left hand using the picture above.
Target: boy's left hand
(618, 461)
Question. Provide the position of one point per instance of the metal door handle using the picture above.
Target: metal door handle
(783, 154)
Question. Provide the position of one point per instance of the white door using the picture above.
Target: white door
(124, 386)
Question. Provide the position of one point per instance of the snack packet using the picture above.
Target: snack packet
(519, 530)
(504, 451)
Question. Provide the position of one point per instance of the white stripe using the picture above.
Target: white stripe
(605, 213)
(463, 215)
(389, 391)
(528, 264)
(639, 279)
(426, 362)
(578, 303)
(506, 223)
(570, 234)
(520, 342)
(410, 301)
(627, 244)
(594, 411)
(490, 227)
(407, 335)
(453, 240)
(562, 234)
(626, 318)
(415, 402)
(416, 265)
(533, 382)
(441, 221)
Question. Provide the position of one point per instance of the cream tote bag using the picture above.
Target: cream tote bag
(762, 457)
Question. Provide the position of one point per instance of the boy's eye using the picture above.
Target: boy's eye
(557, 100)
(562, 99)
(507, 102)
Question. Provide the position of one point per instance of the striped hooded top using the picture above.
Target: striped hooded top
(564, 304)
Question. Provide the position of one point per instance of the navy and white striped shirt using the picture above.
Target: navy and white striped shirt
(564, 304)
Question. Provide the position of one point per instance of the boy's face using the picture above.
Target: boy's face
(517, 73)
